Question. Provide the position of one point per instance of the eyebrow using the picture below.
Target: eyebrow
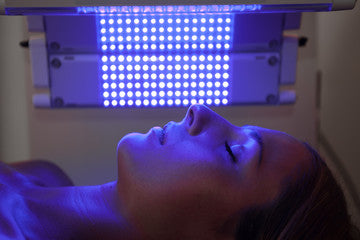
(256, 135)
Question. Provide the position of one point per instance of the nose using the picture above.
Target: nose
(198, 118)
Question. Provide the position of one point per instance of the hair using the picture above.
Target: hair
(312, 207)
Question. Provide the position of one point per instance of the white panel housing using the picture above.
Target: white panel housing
(289, 60)
(41, 100)
(38, 55)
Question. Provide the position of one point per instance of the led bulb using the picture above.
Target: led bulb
(105, 68)
(121, 76)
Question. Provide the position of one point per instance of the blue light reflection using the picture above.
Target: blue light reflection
(170, 9)
(165, 59)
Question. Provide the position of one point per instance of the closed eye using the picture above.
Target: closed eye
(228, 149)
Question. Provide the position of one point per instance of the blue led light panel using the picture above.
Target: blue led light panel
(165, 59)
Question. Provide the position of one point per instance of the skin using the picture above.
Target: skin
(189, 187)
(38, 201)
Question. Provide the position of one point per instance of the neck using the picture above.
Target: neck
(87, 212)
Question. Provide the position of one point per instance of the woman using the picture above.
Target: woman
(201, 178)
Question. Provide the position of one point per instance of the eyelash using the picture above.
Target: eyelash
(228, 149)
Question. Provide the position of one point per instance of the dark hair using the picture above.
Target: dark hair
(313, 207)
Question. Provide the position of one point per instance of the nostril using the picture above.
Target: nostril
(191, 117)
(195, 119)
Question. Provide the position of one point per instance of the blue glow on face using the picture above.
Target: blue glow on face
(165, 60)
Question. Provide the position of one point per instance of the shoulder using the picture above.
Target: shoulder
(42, 173)
(11, 202)
(15, 180)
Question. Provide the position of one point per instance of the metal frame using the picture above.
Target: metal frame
(28, 7)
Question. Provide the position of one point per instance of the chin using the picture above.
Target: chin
(124, 162)
(130, 140)
(126, 144)
(128, 148)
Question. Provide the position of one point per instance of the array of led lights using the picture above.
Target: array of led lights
(165, 60)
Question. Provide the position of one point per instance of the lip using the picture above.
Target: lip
(159, 133)
(164, 133)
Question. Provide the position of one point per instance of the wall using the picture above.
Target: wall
(14, 137)
(339, 62)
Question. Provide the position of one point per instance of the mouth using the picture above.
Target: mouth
(163, 135)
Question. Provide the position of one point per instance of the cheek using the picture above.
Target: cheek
(195, 201)
(169, 163)
(180, 180)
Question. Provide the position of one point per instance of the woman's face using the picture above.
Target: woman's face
(193, 176)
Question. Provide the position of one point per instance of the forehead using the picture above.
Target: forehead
(276, 138)
(283, 152)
